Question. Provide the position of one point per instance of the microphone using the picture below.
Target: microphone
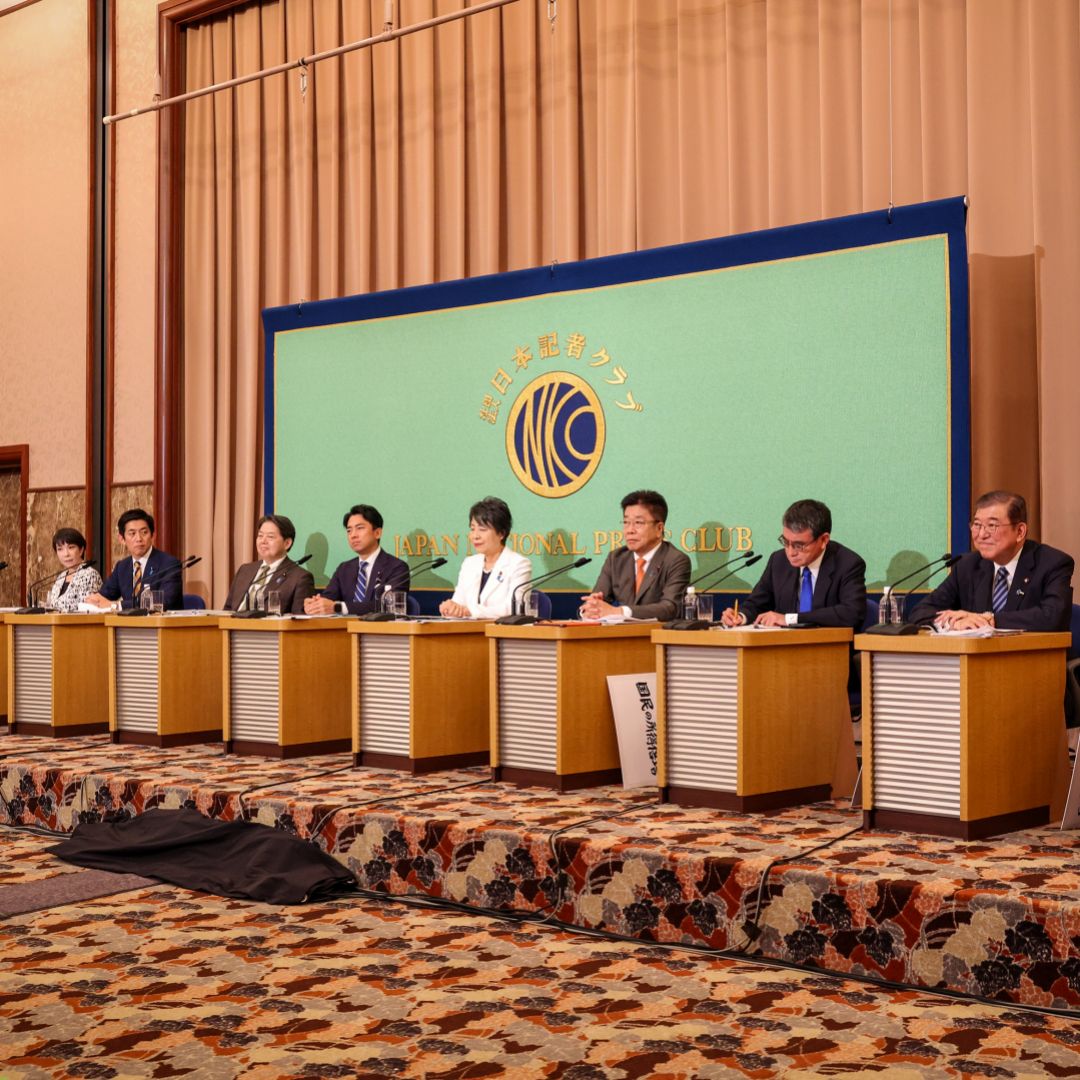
(432, 564)
(749, 562)
(35, 609)
(168, 576)
(903, 628)
(304, 559)
(747, 555)
(524, 620)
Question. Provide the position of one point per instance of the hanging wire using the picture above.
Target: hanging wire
(891, 200)
(552, 16)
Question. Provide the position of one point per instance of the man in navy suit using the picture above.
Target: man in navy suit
(143, 568)
(1008, 581)
(358, 584)
(812, 581)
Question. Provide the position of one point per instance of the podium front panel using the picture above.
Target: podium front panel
(385, 694)
(32, 674)
(702, 712)
(138, 694)
(528, 704)
(254, 687)
(916, 741)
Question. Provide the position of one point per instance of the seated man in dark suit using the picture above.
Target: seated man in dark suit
(274, 571)
(646, 578)
(1007, 581)
(813, 581)
(358, 584)
(144, 568)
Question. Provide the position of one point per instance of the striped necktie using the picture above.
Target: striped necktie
(361, 584)
(255, 587)
(136, 581)
(1001, 589)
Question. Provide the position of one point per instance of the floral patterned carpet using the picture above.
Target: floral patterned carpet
(998, 918)
(162, 982)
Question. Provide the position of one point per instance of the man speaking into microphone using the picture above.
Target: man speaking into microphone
(646, 577)
(273, 571)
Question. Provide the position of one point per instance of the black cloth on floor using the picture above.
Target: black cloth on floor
(241, 859)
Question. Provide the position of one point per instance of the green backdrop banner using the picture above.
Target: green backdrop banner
(733, 391)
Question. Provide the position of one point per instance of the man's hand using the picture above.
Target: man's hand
(731, 618)
(595, 607)
(318, 605)
(963, 620)
(454, 611)
(770, 618)
(98, 600)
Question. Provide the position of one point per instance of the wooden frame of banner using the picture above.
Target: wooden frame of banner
(3, 667)
(313, 687)
(793, 719)
(1012, 751)
(189, 685)
(79, 675)
(448, 687)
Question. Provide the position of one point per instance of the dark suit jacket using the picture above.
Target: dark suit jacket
(839, 592)
(118, 585)
(662, 589)
(386, 570)
(293, 582)
(1040, 597)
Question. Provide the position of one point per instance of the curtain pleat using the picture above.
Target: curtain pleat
(495, 143)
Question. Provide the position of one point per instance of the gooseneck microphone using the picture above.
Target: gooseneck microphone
(303, 559)
(524, 620)
(169, 575)
(746, 557)
(749, 562)
(431, 564)
(33, 608)
(903, 628)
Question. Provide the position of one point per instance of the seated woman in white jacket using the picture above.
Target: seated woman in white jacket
(488, 580)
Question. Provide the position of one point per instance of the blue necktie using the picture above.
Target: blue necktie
(361, 584)
(806, 593)
(1001, 589)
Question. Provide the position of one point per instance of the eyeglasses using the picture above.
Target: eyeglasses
(797, 547)
(638, 523)
(990, 527)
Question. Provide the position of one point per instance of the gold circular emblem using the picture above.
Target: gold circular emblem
(555, 434)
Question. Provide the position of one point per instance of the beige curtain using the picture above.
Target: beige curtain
(501, 142)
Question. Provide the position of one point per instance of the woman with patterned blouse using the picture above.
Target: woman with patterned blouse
(78, 581)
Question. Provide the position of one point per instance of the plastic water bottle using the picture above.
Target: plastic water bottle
(387, 603)
(891, 608)
(689, 604)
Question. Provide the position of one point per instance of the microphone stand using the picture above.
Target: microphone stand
(903, 628)
(525, 620)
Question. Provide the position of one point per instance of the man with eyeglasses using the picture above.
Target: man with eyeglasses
(811, 581)
(646, 578)
(1008, 581)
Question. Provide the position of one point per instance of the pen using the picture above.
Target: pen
(736, 611)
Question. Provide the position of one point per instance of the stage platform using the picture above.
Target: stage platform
(998, 918)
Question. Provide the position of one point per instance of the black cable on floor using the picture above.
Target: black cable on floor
(290, 780)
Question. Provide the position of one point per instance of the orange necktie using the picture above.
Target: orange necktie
(639, 574)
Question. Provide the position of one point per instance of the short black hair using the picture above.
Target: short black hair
(284, 525)
(653, 501)
(69, 536)
(1015, 505)
(368, 513)
(808, 514)
(137, 514)
(494, 513)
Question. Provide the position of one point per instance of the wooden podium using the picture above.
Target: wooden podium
(285, 686)
(164, 679)
(750, 720)
(419, 695)
(58, 674)
(551, 722)
(961, 736)
(3, 667)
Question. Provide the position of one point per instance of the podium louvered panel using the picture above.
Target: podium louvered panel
(137, 689)
(254, 686)
(384, 694)
(527, 704)
(702, 710)
(33, 655)
(916, 733)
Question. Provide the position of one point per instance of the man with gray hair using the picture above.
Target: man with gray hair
(1008, 581)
